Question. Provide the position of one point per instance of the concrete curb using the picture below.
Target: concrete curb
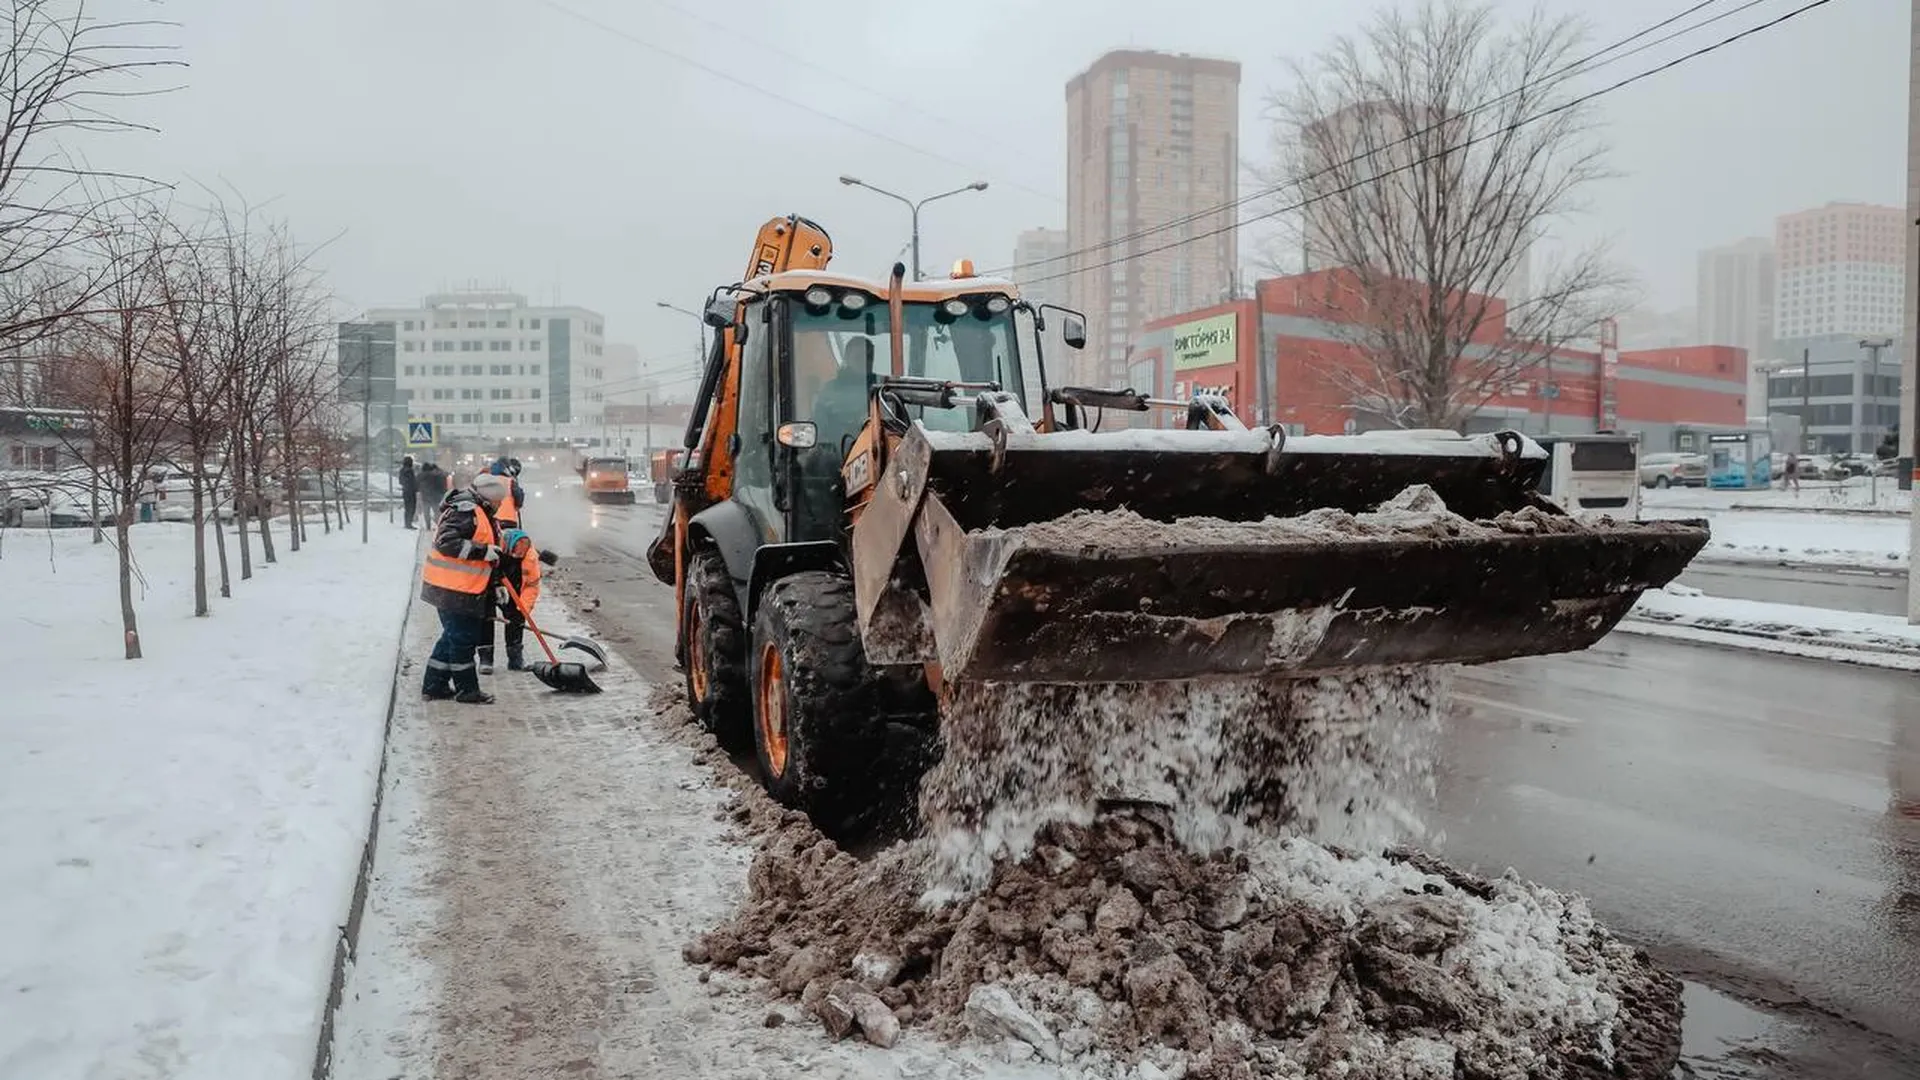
(1755, 639)
(1831, 511)
(347, 948)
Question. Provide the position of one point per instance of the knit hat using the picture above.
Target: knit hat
(512, 539)
(491, 489)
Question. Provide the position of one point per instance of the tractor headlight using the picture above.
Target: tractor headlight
(854, 301)
(998, 305)
(955, 307)
(819, 296)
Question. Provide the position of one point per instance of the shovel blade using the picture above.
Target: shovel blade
(566, 677)
(590, 648)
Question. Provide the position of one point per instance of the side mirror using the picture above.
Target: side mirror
(1073, 331)
(719, 313)
(797, 434)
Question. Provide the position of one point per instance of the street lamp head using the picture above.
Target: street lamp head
(849, 180)
(663, 304)
(978, 185)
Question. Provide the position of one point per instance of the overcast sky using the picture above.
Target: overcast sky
(516, 142)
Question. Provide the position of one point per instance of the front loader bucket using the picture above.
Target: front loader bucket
(1175, 555)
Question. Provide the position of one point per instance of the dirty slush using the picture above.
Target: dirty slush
(1199, 880)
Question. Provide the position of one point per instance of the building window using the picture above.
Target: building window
(407, 325)
(503, 418)
(536, 369)
(443, 346)
(441, 394)
(407, 347)
(535, 395)
(533, 345)
(533, 418)
(471, 369)
(469, 346)
(408, 370)
(476, 324)
(533, 324)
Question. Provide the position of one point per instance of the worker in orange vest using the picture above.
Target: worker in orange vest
(460, 579)
(521, 566)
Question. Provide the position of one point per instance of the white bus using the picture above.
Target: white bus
(1593, 475)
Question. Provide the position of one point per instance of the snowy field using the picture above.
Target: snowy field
(179, 835)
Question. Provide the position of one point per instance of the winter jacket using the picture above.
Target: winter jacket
(409, 483)
(432, 480)
(465, 535)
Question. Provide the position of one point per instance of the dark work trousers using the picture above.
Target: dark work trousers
(410, 504)
(450, 666)
(516, 622)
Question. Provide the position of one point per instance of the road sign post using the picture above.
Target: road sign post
(420, 433)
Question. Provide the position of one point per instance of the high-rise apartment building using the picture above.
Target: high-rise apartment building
(1152, 138)
(488, 363)
(1734, 295)
(1841, 270)
(1039, 266)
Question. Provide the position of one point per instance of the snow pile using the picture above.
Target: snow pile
(1840, 540)
(1114, 952)
(182, 832)
(1343, 758)
(1416, 513)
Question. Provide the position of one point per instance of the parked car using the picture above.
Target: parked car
(1673, 470)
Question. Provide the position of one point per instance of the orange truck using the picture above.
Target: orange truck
(605, 479)
(664, 464)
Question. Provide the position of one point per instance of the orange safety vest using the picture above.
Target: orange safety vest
(530, 577)
(470, 576)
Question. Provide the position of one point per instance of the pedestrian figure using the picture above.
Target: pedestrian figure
(409, 490)
(1792, 480)
(431, 480)
(459, 580)
(509, 513)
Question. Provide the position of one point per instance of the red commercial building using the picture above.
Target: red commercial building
(1294, 334)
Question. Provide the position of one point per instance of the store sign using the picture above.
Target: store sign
(1208, 342)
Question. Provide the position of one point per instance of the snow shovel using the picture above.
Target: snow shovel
(585, 645)
(567, 677)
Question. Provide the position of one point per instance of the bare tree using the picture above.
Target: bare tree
(127, 388)
(65, 74)
(1428, 158)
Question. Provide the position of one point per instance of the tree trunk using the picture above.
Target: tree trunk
(93, 499)
(129, 623)
(220, 545)
(200, 606)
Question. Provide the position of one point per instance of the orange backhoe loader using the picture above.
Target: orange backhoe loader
(891, 492)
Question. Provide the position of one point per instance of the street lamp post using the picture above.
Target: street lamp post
(367, 342)
(914, 208)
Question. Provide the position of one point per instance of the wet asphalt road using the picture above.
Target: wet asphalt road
(1737, 813)
(1871, 591)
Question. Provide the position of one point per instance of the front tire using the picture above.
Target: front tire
(1659, 481)
(814, 732)
(716, 652)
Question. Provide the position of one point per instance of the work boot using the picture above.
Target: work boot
(436, 693)
(474, 697)
(484, 659)
(516, 660)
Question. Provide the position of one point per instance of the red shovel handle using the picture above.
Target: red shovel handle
(531, 625)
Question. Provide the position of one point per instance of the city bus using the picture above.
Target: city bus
(1592, 475)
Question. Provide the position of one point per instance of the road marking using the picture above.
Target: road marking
(1524, 710)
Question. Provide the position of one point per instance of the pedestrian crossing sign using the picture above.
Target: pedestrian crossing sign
(420, 433)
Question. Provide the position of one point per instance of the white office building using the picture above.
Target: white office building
(488, 364)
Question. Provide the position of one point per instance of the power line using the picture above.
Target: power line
(776, 95)
(732, 30)
(1590, 62)
(1563, 107)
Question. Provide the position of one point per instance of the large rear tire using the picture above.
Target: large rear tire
(716, 658)
(815, 732)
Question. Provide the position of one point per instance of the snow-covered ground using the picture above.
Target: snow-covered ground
(1852, 540)
(179, 835)
(1860, 494)
(1857, 637)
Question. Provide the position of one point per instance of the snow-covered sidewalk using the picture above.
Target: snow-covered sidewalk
(1840, 540)
(180, 835)
(1855, 637)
